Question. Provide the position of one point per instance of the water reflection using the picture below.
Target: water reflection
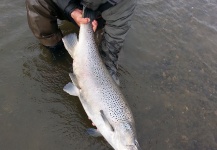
(174, 63)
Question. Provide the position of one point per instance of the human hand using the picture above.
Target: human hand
(77, 17)
(94, 24)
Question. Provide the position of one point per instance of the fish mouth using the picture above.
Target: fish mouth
(135, 146)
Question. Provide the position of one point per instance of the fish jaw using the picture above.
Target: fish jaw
(126, 138)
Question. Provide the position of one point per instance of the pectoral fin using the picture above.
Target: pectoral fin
(106, 120)
(93, 132)
(71, 89)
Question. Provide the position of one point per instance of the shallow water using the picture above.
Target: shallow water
(168, 73)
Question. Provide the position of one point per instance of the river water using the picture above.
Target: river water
(168, 73)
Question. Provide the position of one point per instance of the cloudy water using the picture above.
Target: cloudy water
(168, 73)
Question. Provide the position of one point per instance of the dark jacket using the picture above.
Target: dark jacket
(68, 6)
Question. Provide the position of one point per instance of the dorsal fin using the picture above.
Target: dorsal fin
(106, 121)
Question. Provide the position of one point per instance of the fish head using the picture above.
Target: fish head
(126, 137)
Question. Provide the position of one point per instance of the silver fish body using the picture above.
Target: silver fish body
(100, 96)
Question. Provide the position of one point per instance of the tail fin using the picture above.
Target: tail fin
(70, 42)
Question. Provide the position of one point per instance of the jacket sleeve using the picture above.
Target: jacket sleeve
(68, 6)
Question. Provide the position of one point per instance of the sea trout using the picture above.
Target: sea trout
(100, 96)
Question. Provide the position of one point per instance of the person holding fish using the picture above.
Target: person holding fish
(112, 15)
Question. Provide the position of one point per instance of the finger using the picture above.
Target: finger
(94, 24)
(80, 11)
(83, 20)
